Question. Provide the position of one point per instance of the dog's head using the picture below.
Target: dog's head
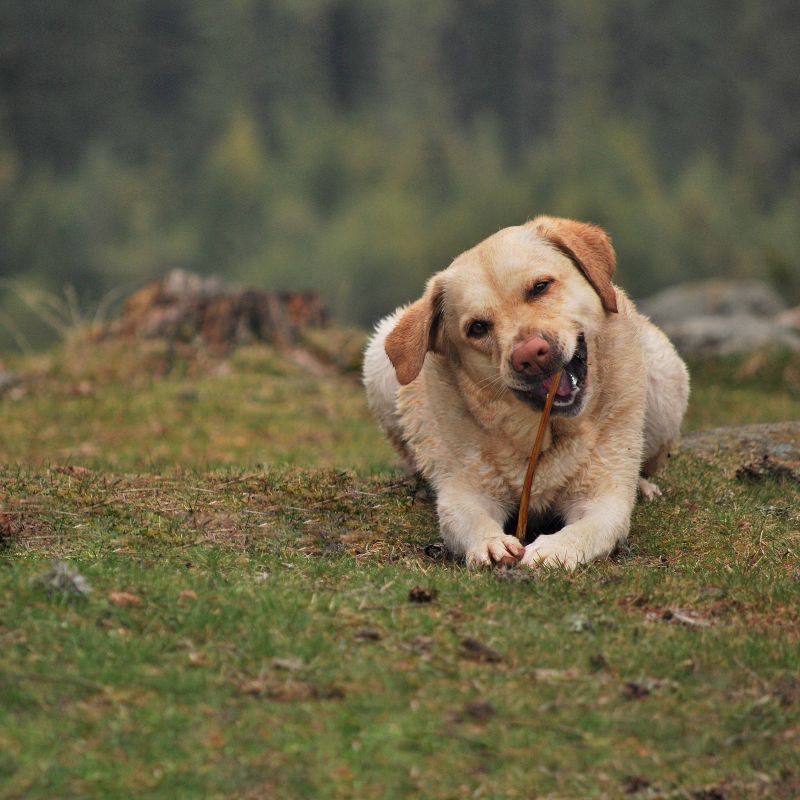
(514, 310)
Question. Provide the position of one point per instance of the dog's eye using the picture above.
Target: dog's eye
(479, 329)
(538, 289)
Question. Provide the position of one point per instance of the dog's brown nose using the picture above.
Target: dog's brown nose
(530, 356)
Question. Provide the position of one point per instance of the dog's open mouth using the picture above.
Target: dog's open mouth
(573, 380)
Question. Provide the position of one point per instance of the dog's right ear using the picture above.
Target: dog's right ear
(417, 332)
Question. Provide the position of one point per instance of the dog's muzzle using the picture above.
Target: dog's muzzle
(570, 392)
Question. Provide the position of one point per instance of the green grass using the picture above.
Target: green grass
(274, 651)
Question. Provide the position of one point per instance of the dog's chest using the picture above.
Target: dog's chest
(485, 446)
(505, 465)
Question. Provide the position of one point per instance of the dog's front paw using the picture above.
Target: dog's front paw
(554, 550)
(648, 490)
(503, 550)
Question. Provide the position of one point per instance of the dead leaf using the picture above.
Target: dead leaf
(635, 691)
(367, 635)
(254, 687)
(478, 651)
(681, 616)
(215, 739)
(290, 691)
(634, 784)
(422, 644)
(71, 469)
(475, 711)
(187, 594)
(714, 793)
(421, 595)
(546, 675)
(598, 662)
(686, 616)
(197, 659)
(289, 664)
(123, 599)
(579, 623)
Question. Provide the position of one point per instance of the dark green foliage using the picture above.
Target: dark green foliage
(338, 144)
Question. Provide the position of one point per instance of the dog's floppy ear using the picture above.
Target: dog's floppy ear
(589, 248)
(416, 332)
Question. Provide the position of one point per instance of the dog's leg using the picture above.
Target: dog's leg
(653, 464)
(648, 489)
(472, 526)
(594, 528)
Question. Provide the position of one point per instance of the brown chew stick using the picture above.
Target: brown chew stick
(524, 501)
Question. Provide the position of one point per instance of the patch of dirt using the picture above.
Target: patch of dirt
(291, 691)
(21, 526)
(8, 529)
(514, 574)
(770, 467)
(777, 440)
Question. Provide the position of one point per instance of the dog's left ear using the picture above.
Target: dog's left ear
(417, 331)
(589, 248)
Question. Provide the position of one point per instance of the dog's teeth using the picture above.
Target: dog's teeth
(573, 380)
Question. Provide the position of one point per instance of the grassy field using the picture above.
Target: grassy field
(255, 628)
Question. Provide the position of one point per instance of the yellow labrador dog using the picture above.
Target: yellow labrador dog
(458, 380)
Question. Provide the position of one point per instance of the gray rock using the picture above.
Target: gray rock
(61, 579)
(708, 336)
(779, 440)
(8, 380)
(789, 319)
(716, 298)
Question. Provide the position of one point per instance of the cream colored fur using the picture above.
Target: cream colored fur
(457, 421)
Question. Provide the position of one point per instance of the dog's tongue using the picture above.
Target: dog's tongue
(564, 385)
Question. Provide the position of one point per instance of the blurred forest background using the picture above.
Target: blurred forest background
(355, 146)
